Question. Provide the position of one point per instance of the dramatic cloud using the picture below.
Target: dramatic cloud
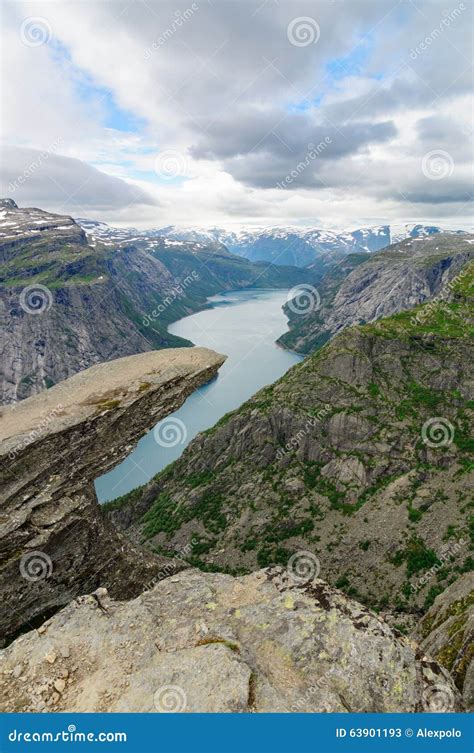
(48, 179)
(245, 110)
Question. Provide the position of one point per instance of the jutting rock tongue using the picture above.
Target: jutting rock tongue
(54, 540)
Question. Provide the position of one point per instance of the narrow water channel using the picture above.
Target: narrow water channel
(244, 325)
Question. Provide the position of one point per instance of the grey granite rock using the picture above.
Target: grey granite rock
(202, 642)
(55, 543)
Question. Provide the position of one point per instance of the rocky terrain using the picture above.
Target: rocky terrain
(447, 633)
(201, 642)
(201, 591)
(360, 455)
(362, 288)
(55, 543)
(69, 299)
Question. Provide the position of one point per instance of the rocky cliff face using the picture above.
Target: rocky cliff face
(201, 642)
(55, 542)
(447, 633)
(70, 299)
(363, 287)
(360, 455)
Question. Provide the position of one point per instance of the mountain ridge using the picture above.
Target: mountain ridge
(362, 288)
(299, 246)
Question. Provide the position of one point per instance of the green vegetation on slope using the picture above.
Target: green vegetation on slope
(332, 459)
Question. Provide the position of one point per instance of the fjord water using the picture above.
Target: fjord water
(244, 326)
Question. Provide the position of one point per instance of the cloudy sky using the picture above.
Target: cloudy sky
(335, 113)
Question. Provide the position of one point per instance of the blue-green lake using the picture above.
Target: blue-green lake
(244, 326)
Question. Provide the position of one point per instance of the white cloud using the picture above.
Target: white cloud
(228, 92)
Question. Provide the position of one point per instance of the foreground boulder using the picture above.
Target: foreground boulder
(202, 642)
(54, 541)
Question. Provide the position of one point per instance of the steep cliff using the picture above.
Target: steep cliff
(447, 633)
(365, 287)
(54, 541)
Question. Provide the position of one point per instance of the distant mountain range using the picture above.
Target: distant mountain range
(293, 246)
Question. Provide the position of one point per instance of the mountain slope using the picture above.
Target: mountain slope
(365, 287)
(69, 299)
(359, 455)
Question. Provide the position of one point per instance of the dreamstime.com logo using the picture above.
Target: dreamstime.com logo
(170, 699)
(67, 736)
(296, 439)
(171, 164)
(35, 433)
(179, 19)
(178, 289)
(447, 554)
(33, 166)
(35, 31)
(35, 566)
(303, 31)
(303, 566)
(303, 299)
(438, 699)
(437, 164)
(170, 432)
(424, 314)
(36, 299)
(437, 432)
(179, 555)
(449, 17)
(313, 152)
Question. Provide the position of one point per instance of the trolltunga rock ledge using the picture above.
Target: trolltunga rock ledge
(55, 544)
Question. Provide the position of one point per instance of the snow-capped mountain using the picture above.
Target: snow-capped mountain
(294, 246)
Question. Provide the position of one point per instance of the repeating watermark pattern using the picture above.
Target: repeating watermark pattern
(303, 31)
(437, 432)
(36, 299)
(437, 164)
(421, 316)
(36, 566)
(295, 440)
(313, 152)
(449, 551)
(179, 288)
(34, 166)
(35, 31)
(36, 433)
(170, 432)
(307, 696)
(303, 299)
(169, 568)
(170, 699)
(438, 699)
(438, 31)
(180, 17)
(171, 164)
(303, 566)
